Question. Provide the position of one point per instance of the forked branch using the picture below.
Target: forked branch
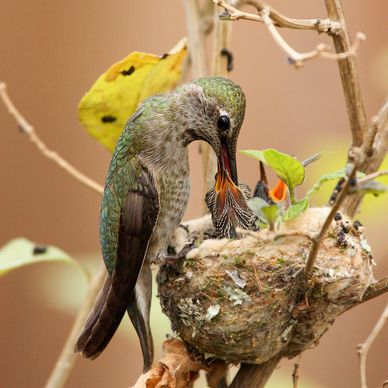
(272, 19)
(29, 130)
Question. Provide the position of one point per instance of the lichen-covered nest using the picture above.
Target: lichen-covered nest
(247, 300)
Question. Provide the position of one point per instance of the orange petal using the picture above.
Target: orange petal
(279, 192)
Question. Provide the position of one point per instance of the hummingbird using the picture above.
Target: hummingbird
(146, 194)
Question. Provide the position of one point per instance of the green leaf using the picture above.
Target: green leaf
(289, 169)
(256, 204)
(294, 210)
(271, 214)
(323, 179)
(20, 252)
(254, 154)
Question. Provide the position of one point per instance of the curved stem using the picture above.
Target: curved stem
(68, 357)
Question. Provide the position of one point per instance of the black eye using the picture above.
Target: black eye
(223, 123)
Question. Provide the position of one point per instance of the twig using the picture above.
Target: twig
(199, 69)
(321, 50)
(363, 348)
(349, 77)
(280, 20)
(372, 176)
(318, 240)
(295, 374)
(376, 289)
(196, 38)
(68, 357)
(29, 130)
(371, 154)
(272, 18)
(254, 376)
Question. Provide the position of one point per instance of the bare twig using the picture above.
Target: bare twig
(376, 289)
(349, 77)
(199, 69)
(29, 130)
(321, 50)
(371, 154)
(68, 357)
(273, 19)
(254, 376)
(196, 38)
(363, 348)
(280, 20)
(295, 374)
(318, 240)
(372, 176)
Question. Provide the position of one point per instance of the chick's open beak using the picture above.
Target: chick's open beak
(227, 164)
(226, 179)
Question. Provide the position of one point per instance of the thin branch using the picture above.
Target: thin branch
(363, 348)
(372, 176)
(376, 289)
(29, 130)
(371, 154)
(272, 19)
(295, 374)
(196, 38)
(280, 20)
(319, 238)
(255, 376)
(321, 51)
(199, 69)
(349, 76)
(68, 357)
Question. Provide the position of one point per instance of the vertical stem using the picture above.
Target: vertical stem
(196, 38)
(67, 358)
(255, 376)
(349, 77)
(199, 69)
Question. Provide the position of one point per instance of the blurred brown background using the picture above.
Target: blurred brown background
(50, 54)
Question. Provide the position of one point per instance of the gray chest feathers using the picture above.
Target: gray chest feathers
(173, 189)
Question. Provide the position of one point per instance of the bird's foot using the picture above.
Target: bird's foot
(174, 259)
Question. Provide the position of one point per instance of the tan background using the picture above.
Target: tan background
(50, 53)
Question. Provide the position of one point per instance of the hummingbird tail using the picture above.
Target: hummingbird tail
(102, 323)
(139, 312)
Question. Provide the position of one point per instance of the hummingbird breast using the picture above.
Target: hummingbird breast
(173, 184)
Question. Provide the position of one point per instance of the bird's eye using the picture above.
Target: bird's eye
(223, 123)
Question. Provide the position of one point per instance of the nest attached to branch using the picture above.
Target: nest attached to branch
(247, 300)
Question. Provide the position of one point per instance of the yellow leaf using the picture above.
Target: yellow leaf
(106, 107)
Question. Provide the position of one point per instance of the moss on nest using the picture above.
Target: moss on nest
(247, 300)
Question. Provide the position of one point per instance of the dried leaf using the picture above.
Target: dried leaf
(176, 369)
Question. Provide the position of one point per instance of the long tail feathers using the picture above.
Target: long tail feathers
(139, 312)
(108, 313)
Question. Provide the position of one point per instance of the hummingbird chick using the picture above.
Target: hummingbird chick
(228, 206)
(146, 194)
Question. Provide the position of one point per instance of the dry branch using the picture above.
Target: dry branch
(273, 19)
(67, 358)
(348, 71)
(196, 38)
(319, 238)
(29, 130)
(371, 154)
(363, 348)
(280, 20)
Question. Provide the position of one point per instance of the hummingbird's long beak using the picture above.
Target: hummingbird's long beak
(226, 178)
(227, 163)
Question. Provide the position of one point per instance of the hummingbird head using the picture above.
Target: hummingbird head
(213, 110)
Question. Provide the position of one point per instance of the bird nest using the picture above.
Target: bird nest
(247, 300)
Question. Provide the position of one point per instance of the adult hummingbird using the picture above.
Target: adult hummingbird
(146, 194)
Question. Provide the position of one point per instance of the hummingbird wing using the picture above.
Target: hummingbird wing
(127, 223)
